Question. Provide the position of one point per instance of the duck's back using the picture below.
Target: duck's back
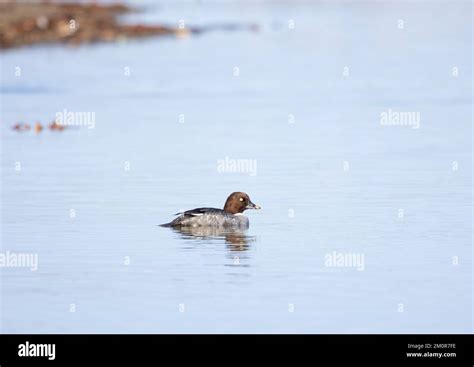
(212, 217)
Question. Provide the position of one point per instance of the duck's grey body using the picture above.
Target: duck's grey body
(209, 217)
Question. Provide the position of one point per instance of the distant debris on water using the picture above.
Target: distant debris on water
(38, 127)
(56, 127)
(20, 126)
(26, 23)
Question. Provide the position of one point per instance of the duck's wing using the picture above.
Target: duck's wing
(201, 211)
(184, 216)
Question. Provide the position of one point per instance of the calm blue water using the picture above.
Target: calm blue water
(329, 176)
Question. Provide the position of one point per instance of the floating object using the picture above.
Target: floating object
(38, 127)
(55, 126)
(20, 126)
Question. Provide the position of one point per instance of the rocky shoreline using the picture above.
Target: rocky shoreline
(29, 23)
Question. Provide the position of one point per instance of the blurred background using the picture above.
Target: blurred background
(162, 94)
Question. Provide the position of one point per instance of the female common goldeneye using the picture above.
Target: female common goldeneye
(230, 216)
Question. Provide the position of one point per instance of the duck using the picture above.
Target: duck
(231, 216)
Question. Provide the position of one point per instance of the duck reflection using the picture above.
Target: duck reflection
(236, 239)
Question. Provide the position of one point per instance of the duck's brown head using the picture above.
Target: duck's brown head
(237, 202)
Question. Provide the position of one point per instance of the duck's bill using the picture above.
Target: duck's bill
(253, 206)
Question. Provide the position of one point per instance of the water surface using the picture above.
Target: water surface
(331, 178)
